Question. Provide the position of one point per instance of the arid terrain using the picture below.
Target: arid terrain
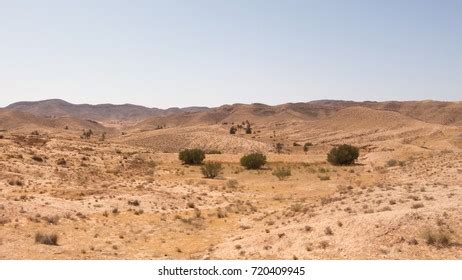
(120, 192)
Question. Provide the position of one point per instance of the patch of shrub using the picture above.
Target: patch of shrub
(253, 160)
(437, 239)
(213, 152)
(279, 147)
(37, 158)
(47, 239)
(233, 130)
(343, 155)
(135, 202)
(61, 161)
(211, 169)
(192, 156)
(392, 162)
(282, 172)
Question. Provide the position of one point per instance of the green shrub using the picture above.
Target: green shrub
(192, 156)
(211, 169)
(282, 172)
(343, 155)
(253, 160)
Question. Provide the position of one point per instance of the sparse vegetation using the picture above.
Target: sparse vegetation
(343, 155)
(253, 161)
(192, 156)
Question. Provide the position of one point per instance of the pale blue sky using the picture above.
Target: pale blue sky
(184, 53)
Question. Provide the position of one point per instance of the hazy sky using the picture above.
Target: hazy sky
(184, 53)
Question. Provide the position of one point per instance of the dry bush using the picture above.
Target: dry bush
(438, 239)
(282, 172)
(46, 239)
(211, 169)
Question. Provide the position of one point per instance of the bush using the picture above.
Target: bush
(233, 130)
(47, 239)
(37, 158)
(343, 155)
(253, 160)
(282, 172)
(211, 169)
(305, 147)
(192, 156)
(279, 147)
(392, 162)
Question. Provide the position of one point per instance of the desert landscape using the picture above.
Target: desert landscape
(106, 181)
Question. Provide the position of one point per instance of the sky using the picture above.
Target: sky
(208, 53)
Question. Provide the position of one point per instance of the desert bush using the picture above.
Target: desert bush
(282, 172)
(233, 130)
(248, 130)
(279, 147)
(232, 183)
(86, 134)
(343, 155)
(392, 162)
(1, 136)
(37, 158)
(211, 169)
(253, 160)
(61, 161)
(135, 202)
(192, 156)
(328, 231)
(52, 220)
(438, 239)
(213, 152)
(47, 239)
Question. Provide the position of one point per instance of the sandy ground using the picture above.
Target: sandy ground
(124, 198)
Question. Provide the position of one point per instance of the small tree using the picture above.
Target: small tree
(253, 160)
(343, 155)
(211, 169)
(233, 130)
(192, 156)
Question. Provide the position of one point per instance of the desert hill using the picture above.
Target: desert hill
(100, 113)
(447, 113)
(21, 121)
